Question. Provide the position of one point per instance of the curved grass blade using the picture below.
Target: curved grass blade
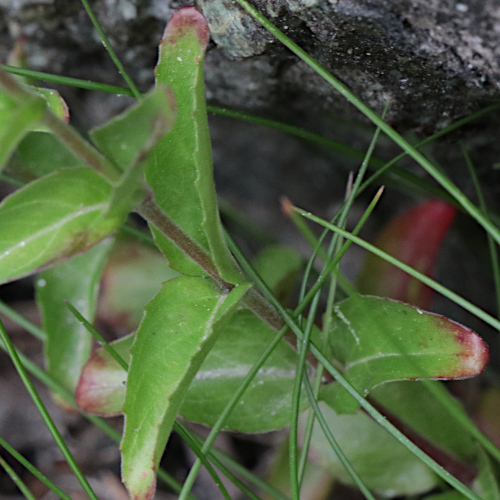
(468, 306)
(43, 479)
(376, 415)
(110, 50)
(16, 479)
(44, 414)
(451, 188)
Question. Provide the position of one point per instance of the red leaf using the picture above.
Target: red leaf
(414, 237)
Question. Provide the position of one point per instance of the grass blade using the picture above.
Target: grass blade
(44, 414)
(41, 477)
(468, 306)
(451, 188)
(111, 51)
(376, 415)
(16, 479)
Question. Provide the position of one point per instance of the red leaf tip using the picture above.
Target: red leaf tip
(474, 354)
(185, 21)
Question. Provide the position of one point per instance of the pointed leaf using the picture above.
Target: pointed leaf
(68, 343)
(180, 167)
(378, 340)
(133, 275)
(102, 385)
(128, 139)
(131, 134)
(180, 326)
(384, 465)
(414, 238)
(16, 120)
(56, 104)
(52, 219)
(265, 406)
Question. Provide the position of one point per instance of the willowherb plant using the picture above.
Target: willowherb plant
(214, 345)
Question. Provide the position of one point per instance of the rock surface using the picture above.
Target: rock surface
(435, 60)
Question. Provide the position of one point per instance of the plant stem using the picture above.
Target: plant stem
(148, 208)
(44, 413)
(152, 213)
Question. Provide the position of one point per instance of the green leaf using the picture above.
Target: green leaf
(132, 277)
(131, 135)
(180, 326)
(41, 154)
(378, 340)
(56, 104)
(180, 169)
(279, 266)
(127, 140)
(52, 219)
(265, 406)
(410, 402)
(68, 342)
(16, 120)
(384, 465)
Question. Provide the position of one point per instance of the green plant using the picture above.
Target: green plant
(210, 346)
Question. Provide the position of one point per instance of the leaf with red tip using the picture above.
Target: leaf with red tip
(56, 104)
(180, 167)
(377, 340)
(267, 402)
(414, 238)
(101, 389)
(178, 330)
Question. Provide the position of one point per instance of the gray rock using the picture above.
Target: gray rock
(435, 60)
